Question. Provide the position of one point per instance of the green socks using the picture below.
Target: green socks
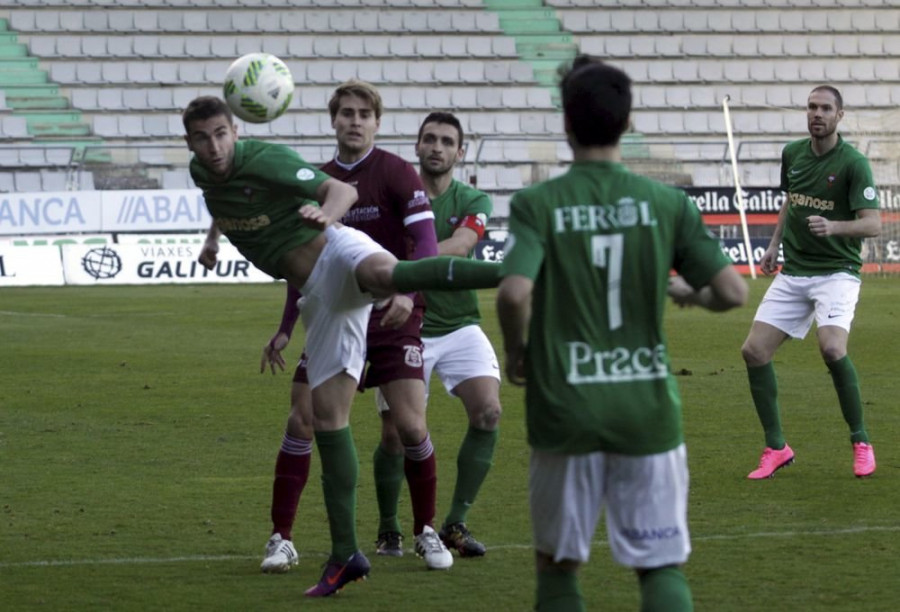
(445, 272)
(340, 474)
(764, 390)
(389, 478)
(476, 455)
(846, 383)
(558, 591)
(665, 589)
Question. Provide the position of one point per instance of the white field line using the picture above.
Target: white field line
(13, 313)
(597, 543)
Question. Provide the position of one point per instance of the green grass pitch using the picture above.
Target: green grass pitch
(137, 445)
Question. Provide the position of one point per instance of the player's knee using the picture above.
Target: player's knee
(753, 354)
(390, 438)
(486, 416)
(375, 274)
(300, 424)
(832, 352)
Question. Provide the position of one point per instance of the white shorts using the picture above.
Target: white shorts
(645, 499)
(456, 357)
(334, 309)
(792, 302)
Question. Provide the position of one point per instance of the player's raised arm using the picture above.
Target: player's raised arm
(210, 250)
(335, 198)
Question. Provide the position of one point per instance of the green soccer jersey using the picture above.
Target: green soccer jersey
(599, 243)
(834, 186)
(447, 311)
(256, 207)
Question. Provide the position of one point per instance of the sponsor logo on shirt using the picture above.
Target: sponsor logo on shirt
(798, 199)
(419, 200)
(305, 174)
(616, 365)
(599, 217)
(360, 214)
(830, 180)
(250, 224)
(869, 193)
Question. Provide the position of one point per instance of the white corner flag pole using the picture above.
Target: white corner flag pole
(739, 195)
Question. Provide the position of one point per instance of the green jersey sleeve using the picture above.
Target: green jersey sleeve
(861, 192)
(524, 249)
(287, 172)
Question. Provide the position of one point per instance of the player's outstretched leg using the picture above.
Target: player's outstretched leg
(445, 273)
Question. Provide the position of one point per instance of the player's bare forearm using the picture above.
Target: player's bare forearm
(866, 225)
(460, 243)
(335, 199)
(726, 290)
(778, 232)
(514, 314)
(210, 249)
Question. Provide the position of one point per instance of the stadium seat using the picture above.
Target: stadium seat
(27, 181)
(7, 182)
(14, 127)
(176, 179)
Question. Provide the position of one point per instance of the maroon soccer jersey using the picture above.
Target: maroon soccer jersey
(394, 210)
(391, 197)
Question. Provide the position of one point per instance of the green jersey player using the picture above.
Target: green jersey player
(585, 276)
(832, 205)
(255, 192)
(456, 348)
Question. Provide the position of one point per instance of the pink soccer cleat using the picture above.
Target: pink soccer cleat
(771, 461)
(863, 459)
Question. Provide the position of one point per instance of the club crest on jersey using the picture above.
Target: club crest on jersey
(412, 356)
(830, 180)
(627, 212)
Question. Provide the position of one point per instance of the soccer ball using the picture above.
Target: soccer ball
(258, 87)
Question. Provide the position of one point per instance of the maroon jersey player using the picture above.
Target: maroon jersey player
(394, 210)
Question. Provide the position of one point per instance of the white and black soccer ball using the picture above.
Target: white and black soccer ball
(258, 87)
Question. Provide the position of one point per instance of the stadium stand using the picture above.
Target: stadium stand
(110, 83)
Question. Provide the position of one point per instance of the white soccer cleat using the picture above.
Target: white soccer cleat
(430, 548)
(280, 555)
